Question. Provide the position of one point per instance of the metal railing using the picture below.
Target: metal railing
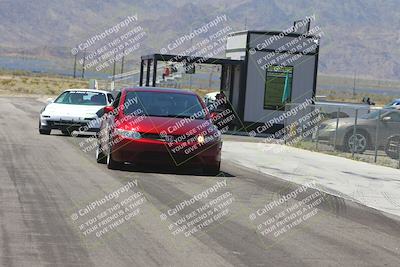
(362, 133)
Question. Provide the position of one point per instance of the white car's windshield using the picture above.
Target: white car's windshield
(81, 98)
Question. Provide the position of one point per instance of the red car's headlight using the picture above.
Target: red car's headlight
(201, 139)
(212, 137)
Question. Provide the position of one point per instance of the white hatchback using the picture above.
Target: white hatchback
(74, 110)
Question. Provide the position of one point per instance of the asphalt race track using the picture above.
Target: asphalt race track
(44, 180)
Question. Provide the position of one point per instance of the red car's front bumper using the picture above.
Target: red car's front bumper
(160, 152)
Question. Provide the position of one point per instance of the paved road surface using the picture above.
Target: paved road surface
(46, 179)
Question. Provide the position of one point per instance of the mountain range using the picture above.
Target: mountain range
(360, 36)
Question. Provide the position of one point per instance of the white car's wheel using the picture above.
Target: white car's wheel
(66, 132)
(43, 130)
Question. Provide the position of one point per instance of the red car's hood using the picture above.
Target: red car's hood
(169, 126)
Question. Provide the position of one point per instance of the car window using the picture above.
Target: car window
(116, 101)
(110, 98)
(372, 115)
(82, 98)
(395, 116)
(61, 98)
(376, 113)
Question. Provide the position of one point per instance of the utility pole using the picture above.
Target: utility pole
(115, 61)
(190, 75)
(245, 23)
(83, 64)
(210, 78)
(75, 65)
(354, 84)
(123, 60)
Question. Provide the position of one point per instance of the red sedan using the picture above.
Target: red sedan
(159, 126)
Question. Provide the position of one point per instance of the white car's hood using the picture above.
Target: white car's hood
(68, 110)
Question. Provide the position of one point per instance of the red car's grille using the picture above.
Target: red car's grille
(168, 138)
(151, 136)
(167, 157)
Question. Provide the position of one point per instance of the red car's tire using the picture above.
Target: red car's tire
(212, 170)
(111, 163)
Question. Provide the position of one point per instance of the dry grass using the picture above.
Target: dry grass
(23, 83)
(341, 96)
(19, 83)
(327, 80)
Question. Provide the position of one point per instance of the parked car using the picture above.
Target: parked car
(159, 126)
(332, 109)
(393, 103)
(74, 110)
(388, 124)
(392, 147)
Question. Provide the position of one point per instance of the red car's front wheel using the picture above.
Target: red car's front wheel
(212, 170)
(111, 163)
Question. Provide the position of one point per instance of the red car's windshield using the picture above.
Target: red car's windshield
(164, 104)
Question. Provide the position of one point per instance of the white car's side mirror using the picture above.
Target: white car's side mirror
(49, 100)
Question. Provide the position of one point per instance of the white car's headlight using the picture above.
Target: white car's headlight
(129, 134)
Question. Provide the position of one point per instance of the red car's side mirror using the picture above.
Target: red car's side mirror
(108, 109)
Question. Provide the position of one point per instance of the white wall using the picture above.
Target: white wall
(236, 42)
(302, 86)
(263, 41)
